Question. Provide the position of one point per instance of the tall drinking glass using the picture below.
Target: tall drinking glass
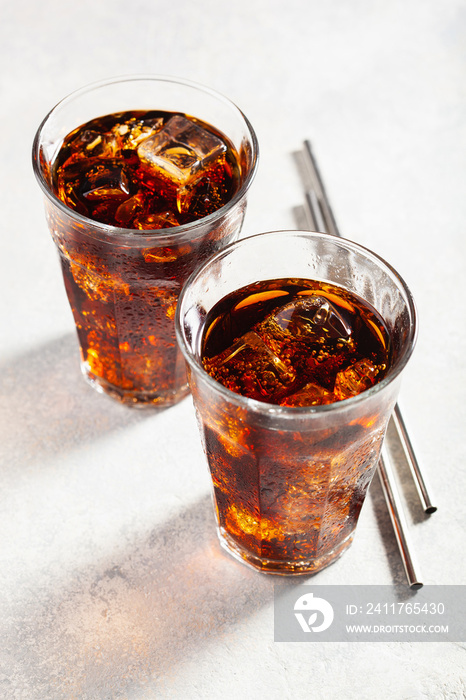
(289, 481)
(123, 282)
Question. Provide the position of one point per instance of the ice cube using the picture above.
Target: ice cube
(311, 394)
(251, 368)
(129, 209)
(253, 342)
(94, 187)
(180, 149)
(291, 357)
(311, 317)
(205, 192)
(91, 143)
(142, 211)
(355, 379)
(104, 180)
(155, 220)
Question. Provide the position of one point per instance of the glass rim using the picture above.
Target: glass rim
(141, 236)
(298, 411)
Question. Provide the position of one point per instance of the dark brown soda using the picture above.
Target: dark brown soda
(106, 170)
(289, 499)
(249, 352)
(123, 296)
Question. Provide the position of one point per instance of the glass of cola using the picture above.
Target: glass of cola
(295, 344)
(144, 178)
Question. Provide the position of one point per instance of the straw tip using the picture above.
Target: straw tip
(416, 585)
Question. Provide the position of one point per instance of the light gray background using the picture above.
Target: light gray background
(112, 583)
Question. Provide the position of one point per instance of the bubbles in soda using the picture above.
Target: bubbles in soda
(288, 493)
(146, 170)
(295, 343)
(140, 170)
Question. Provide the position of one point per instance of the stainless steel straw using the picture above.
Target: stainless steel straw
(400, 528)
(411, 458)
(320, 214)
(320, 218)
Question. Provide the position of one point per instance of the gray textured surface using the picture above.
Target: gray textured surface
(112, 583)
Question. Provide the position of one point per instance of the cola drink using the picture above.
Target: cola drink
(146, 170)
(135, 200)
(293, 343)
(139, 170)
